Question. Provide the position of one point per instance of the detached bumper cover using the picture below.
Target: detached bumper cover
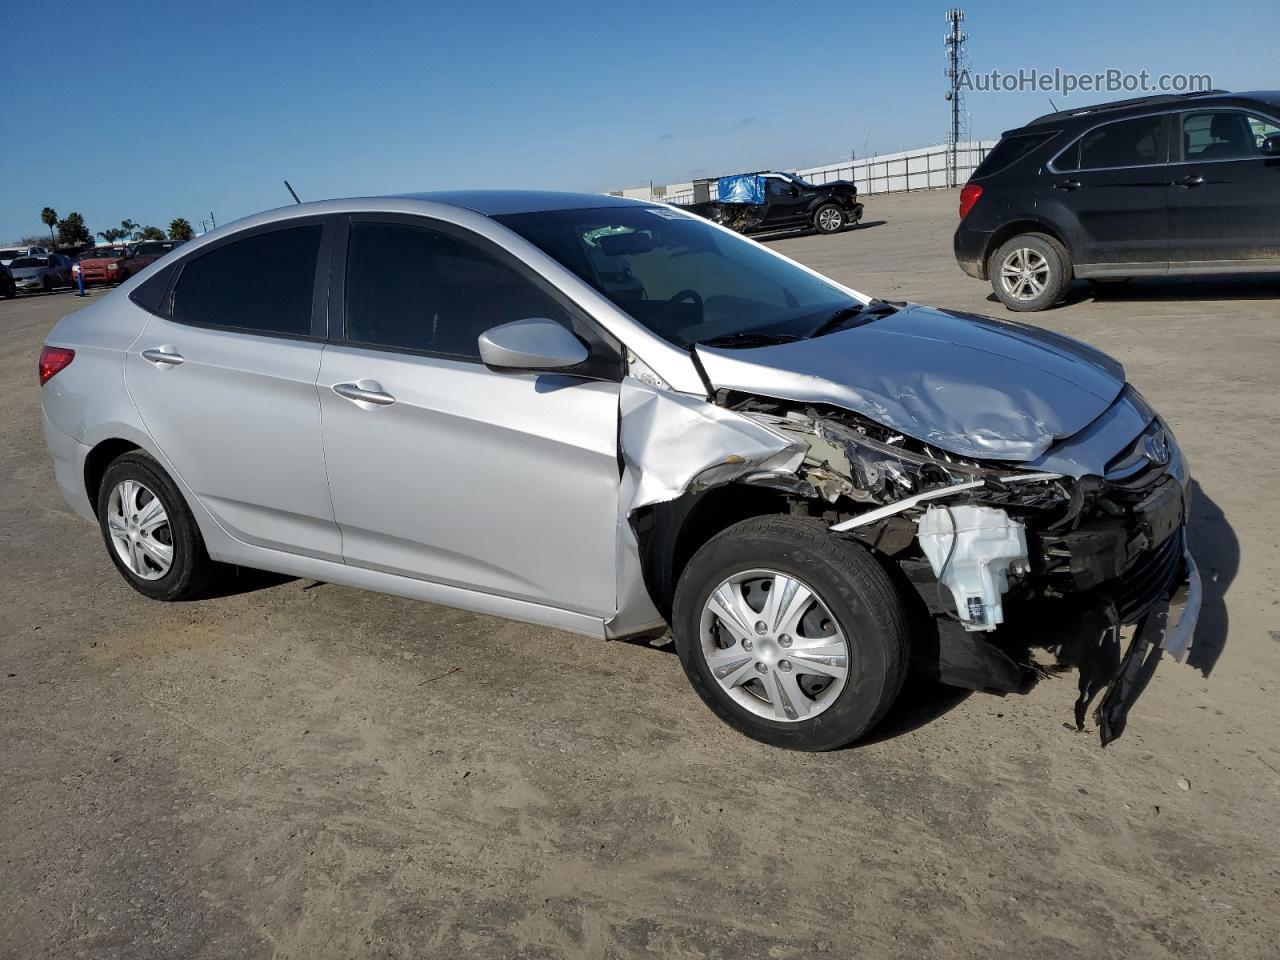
(1168, 627)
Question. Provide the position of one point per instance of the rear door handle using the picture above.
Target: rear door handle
(163, 356)
(364, 391)
(1192, 181)
(1067, 185)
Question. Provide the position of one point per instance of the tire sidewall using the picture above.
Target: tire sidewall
(859, 704)
(817, 218)
(188, 545)
(1053, 254)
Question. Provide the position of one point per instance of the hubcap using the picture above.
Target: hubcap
(1024, 274)
(829, 219)
(793, 670)
(140, 531)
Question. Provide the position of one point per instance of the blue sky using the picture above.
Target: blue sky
(169, 109)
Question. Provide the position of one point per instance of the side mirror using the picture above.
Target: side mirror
(534, 344)
(1271, 146)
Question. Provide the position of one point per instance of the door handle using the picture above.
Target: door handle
(1067, 185)
(364, 391)
(163, 356)
(1192, 181)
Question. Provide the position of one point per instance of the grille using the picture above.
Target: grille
(1149, 579)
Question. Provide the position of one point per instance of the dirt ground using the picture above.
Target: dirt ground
(296, 770)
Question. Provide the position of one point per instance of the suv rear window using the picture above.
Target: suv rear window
(1125, 143)
(1009, 151)
(261, 284)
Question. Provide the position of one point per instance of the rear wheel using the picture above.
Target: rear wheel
(829, 218)
(1030, 272)
(150, 533)
(790, 634)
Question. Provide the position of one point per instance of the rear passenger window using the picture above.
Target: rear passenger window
(415, 288)
(1126, 143)
(261, 284)
(1009, 151)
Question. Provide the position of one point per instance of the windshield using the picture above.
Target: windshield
(9, 254)
(30, 262)
(684, 279)
(154, 247)
(101, 253)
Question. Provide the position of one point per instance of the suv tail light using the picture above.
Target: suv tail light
(969, 195)
(52, 360)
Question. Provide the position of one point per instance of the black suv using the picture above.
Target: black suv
(1153, 186)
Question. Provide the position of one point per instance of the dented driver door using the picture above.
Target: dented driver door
(442, 469)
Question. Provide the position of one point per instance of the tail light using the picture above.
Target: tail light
(969, 195)
(52, 360)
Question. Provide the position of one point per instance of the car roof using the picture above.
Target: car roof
(1138, 105)
(496, 203)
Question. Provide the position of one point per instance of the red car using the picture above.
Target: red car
(145, 253)
(102, 265)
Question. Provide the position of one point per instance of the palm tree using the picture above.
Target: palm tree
(112, 235)
(50, 218)
(127, 228)
(181, 229)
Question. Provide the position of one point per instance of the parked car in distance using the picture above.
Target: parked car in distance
(770, 201)
(9, 254)
(41, 273)
(145, 253)
(438, 396)
(1168, 185)
(8, 289)
(103, 265)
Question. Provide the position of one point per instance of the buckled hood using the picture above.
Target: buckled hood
(972, 386)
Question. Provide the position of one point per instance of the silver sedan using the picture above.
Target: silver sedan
(618, 419)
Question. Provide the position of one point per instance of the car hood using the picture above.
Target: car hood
(99, 261)
(21, 273)
(972, 386)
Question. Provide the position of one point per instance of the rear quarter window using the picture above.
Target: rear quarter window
(1010, 150)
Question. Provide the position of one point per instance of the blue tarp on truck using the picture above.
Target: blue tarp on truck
(744, 188)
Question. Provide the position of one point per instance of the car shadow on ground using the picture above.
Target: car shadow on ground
(807, 232)
(244, 580)
(1217, 551)
(1167, 289)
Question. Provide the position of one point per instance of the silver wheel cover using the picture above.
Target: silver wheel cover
(1024, 273)
(829, 219)
(139, 529)
(773, 646)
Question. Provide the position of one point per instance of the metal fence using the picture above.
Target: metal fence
(924, 169)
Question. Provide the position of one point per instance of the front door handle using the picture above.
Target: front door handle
(1192, 181)
(364, 391)
(163, 356)
(1067, 185)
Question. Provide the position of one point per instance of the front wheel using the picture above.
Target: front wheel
(829, 218)
(790, 634)
(1030, 272)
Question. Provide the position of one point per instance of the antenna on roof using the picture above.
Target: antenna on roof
(293, 193)
(1052, 104)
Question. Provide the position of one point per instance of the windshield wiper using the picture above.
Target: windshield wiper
(866, 313)
(747, 338)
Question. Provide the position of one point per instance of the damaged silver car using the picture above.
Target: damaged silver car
(615, 418)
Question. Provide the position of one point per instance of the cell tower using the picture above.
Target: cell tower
(956, 62)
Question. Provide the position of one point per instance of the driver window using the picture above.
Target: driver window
(1224, 135)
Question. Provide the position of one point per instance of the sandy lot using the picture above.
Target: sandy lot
(296, 770)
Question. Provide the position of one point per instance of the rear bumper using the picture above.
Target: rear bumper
(970, 248)
(69, 456)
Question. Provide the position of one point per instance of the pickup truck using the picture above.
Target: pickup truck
(767, 201)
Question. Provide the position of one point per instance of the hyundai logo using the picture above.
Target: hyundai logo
(1157, 447)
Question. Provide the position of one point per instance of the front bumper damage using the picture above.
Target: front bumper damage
(1013, 564)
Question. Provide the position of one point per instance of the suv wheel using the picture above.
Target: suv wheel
(1030, 272)
(149, 531)
(829, 218)
(791, 634)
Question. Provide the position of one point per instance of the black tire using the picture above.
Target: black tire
(833, 215)
(10, 291)
(855, 590)
(1055, 276)
(191, 573)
